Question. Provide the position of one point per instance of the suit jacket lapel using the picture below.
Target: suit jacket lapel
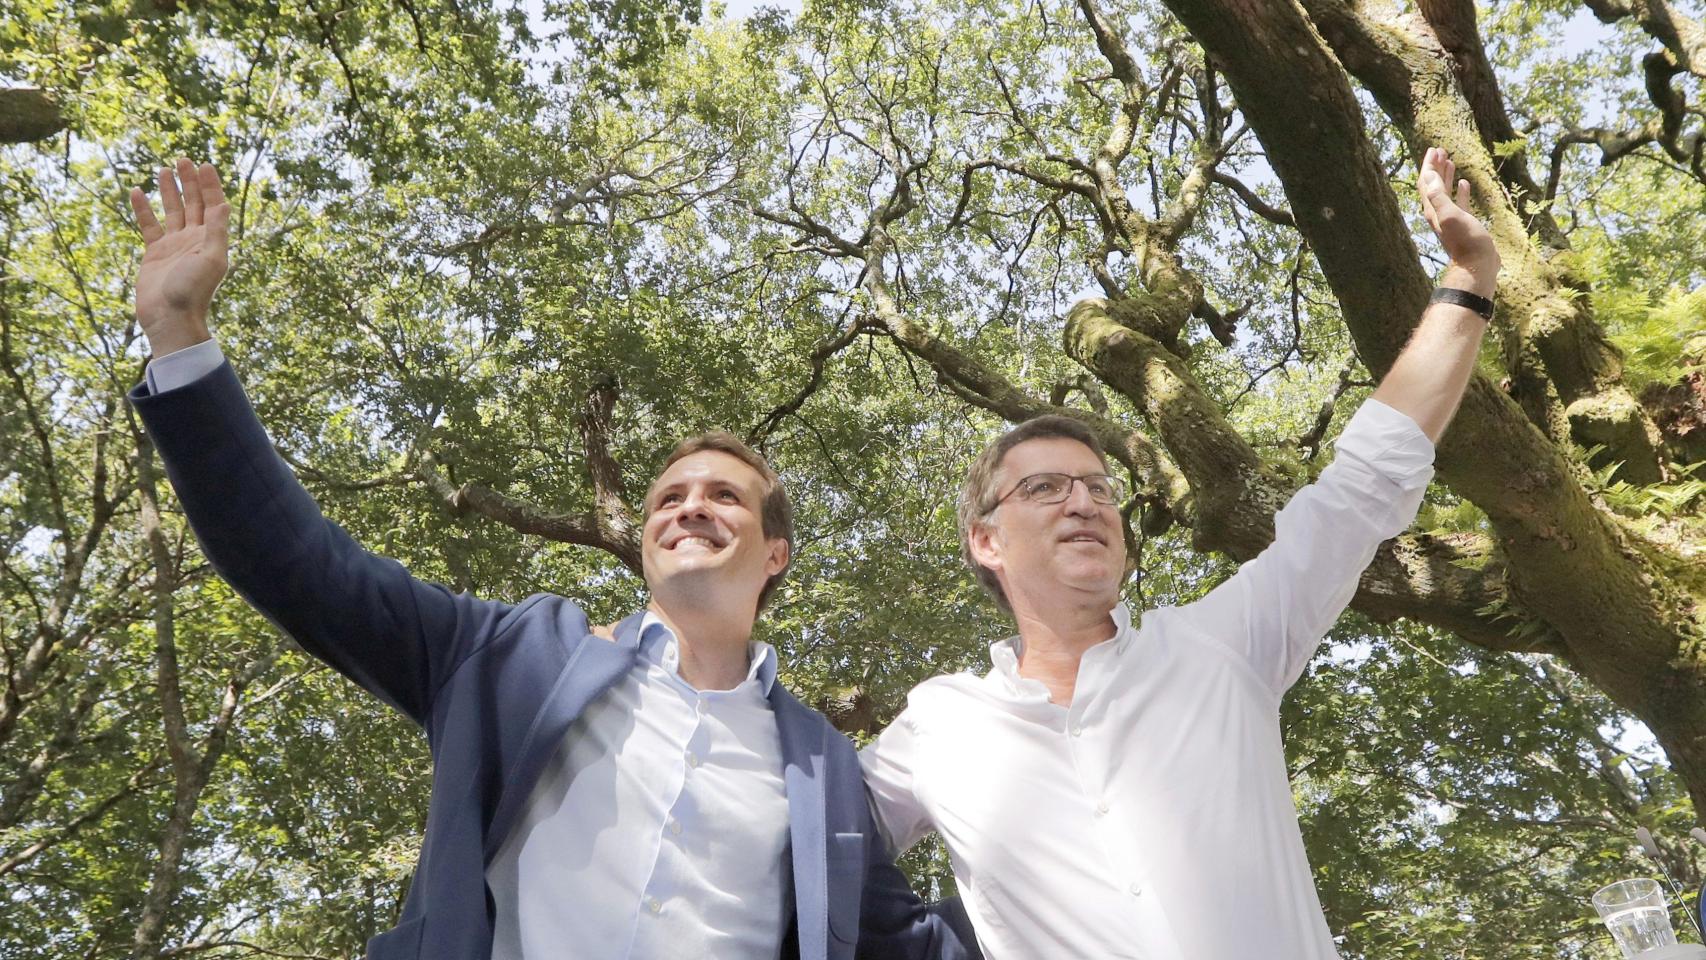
(592, 668)
(803, 752)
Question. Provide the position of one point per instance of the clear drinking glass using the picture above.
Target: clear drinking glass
(1636, 914)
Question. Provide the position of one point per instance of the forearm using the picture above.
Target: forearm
(1427, 380)
(894, 922)
(1274, 611)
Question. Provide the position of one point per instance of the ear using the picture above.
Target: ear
(777, 561)
(985, 545)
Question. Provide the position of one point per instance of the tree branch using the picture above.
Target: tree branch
(579, 529)
(28, 114)
(1683, 36)
(1258, 206)
(819, 359)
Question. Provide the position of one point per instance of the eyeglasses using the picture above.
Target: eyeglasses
(1056, 487)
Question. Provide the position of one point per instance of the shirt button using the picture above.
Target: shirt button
(1136, 889)
(675, 826)
(654, 904)
(693, 759)
(1077, 730)
(1102, 808)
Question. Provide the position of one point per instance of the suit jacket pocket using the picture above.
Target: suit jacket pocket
(402, 942)
(846, 884)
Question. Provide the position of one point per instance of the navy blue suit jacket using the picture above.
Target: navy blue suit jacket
(496, 686)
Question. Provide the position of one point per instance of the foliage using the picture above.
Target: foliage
(455, 221)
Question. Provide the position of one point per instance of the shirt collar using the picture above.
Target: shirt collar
(659, 646)
(1004, 658)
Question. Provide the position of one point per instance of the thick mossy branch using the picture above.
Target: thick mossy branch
(1407, 68)
(28, 115)
(615, 519)
(1234, 493)
(1458, 32)
(1456, 582)
(979, 385)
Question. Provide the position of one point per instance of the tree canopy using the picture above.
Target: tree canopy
(491, 259)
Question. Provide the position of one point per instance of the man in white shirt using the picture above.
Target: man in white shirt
(1117, 789)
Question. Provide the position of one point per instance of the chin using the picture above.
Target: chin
(1084, 575)
(684, 581)
(1100, 584)
(688, 568)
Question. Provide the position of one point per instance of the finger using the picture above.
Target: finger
(190, 183)
(170, 200)
(1449, 173)
(211, 191)
(218, 220)
(1427, 180)
(145, 219)
(1463, 194)
(1429, 187)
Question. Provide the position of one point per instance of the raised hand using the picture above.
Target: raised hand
(1465, 238)
(183, 260)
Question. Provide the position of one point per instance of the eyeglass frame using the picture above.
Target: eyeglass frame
(1117, 489)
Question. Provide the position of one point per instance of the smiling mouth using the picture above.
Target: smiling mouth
(695, 540)
(1085, 538)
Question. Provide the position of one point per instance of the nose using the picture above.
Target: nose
(694, 505)
(1078, 502)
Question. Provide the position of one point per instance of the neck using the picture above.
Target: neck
(713, 645)
(1053, 642)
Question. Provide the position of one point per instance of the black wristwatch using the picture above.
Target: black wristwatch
(1463, 298)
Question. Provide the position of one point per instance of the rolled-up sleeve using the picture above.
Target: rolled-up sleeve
(1274, 611)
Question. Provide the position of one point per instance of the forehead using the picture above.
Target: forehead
(707, 466)
(1049, 455)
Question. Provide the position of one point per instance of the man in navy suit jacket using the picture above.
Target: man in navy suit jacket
(652, 794)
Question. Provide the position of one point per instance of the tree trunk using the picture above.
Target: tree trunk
(192, 763)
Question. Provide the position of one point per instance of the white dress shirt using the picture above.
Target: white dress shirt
(660, 827)
(1153, 818)
(658, 830)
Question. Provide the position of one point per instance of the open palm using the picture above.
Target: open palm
(184, 257)
(1465, 238)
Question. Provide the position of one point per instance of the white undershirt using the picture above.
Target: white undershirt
(1153, 818)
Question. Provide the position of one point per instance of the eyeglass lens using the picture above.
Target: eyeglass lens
(1055, 487)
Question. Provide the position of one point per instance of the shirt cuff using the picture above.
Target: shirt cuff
(1391, 442)
(181, 368)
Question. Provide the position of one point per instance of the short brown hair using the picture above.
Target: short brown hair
(979, 494)
(777, 515)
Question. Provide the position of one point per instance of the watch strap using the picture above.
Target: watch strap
(1463, 298)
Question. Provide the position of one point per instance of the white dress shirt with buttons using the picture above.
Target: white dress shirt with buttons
(658, 830)
(1153, 818)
